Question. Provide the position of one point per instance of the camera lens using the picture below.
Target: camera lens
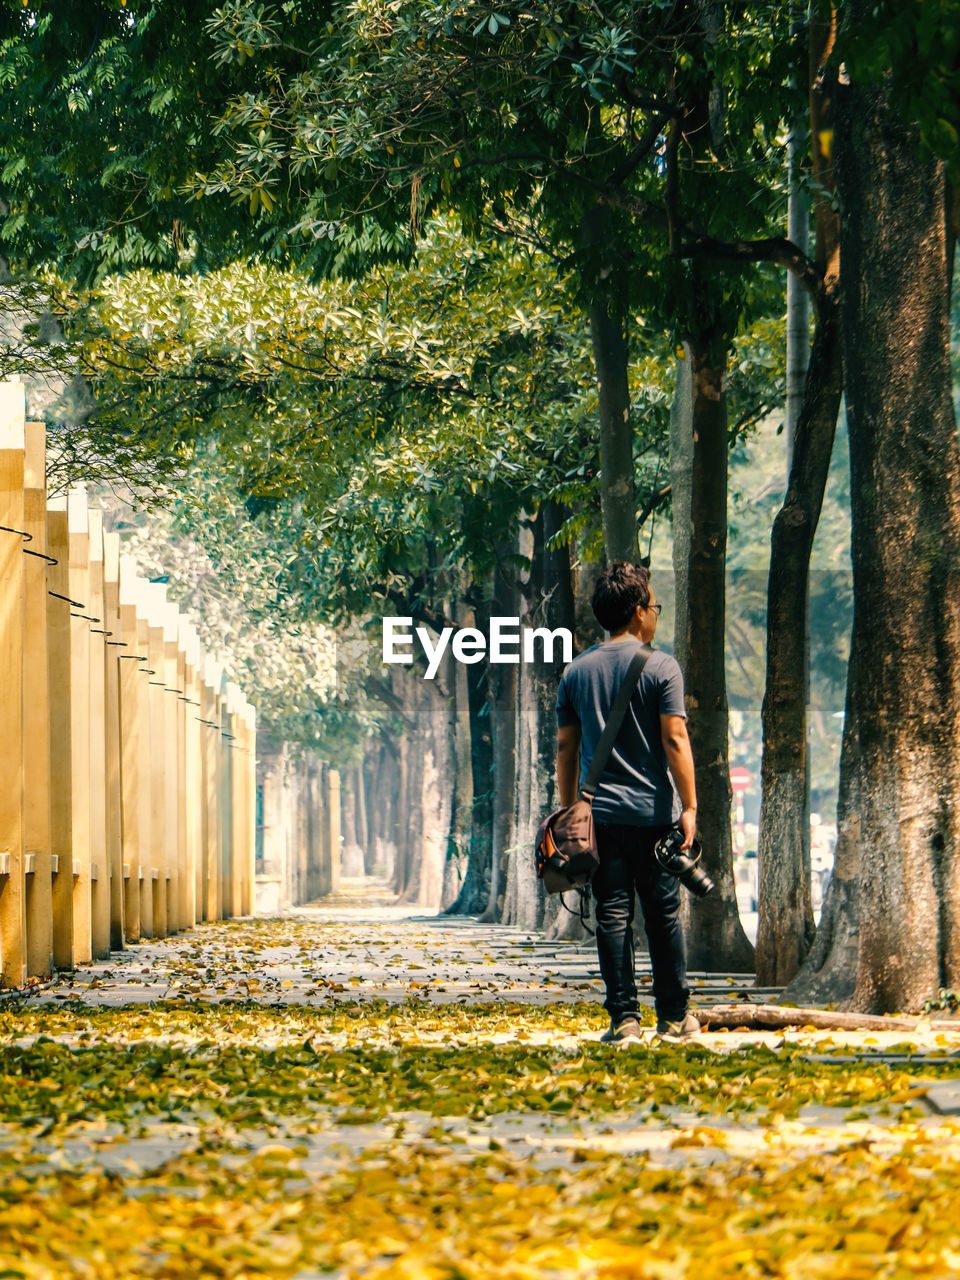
(697, 881)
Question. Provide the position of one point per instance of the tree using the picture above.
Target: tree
(905, 488)
(786, 927)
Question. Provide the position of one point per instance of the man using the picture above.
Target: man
(635, 802)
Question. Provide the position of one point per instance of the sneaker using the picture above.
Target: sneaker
(686, 1029)
(626, 1029)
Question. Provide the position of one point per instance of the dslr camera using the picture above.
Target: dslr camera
(683, 865)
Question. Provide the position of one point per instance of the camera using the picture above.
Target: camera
(683, 865)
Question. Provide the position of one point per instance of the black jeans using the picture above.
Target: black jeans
(627, 864)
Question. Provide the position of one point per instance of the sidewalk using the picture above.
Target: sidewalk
(359, 1089)
(367, 946)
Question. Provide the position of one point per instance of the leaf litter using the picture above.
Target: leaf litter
(362, 1134)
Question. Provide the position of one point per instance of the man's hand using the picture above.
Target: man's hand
(676, 744)
(688, 821)
(568, 762)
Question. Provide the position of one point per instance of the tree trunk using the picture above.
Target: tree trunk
(351, 852)
(785, 916)
(389, 786)
(549, 602)
(609, 315)
(504, 690)
(905, 500)
(431, 802)
(527, 808)
(786, 925)
(359, 787)
(830, 969)
(586, 630)
(401, 833)
(458, 841)
(372, 766)
(798, 361)
(798, 302)
(717, 940)
(475, 890)
(681, 479)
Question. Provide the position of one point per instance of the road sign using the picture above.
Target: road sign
(740, 778)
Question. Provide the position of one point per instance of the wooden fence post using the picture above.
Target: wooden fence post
(228, 904)
(250, 739)
(13, 933)
(239, 804)
(145, 698)
(224, 806)
(208, 855)
(78, 523)
(38, 858)
(315, 841)
(215, 792)
(130, 731)
(333, 824)
(171, 705)
(325, 877)
(156, 673)
(113, 647)
(99, 858)
(192, 770)
(60, 678)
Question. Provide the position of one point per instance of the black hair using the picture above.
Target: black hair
(618, 591)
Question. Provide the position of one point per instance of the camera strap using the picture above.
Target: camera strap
(612, 727)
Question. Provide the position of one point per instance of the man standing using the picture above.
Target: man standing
(635, 803)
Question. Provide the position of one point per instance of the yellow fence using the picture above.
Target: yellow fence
(127, 760)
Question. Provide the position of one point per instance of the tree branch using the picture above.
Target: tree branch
(775, 249)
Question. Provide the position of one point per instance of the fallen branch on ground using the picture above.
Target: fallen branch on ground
(767, 1017)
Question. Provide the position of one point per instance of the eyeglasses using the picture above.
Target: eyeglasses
(657, 608)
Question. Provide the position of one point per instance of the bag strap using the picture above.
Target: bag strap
(583, 913)
(615, 720)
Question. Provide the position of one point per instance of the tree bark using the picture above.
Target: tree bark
(504, 691)
(406, 835)
(798, 361)
(389, 787)
(431, 800)
(681, 480)
(829, 972)
(771, 1016)
(458, 841)
(351, 853)
(475, 890)
(785, 931)
(786, 926)
(360, 790)
(905, 499)
(372, 766)
(798, 233)
(609, 315)
(717, 940)
(550, 603)
(586, 630)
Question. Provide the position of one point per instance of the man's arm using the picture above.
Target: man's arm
(568, 762)
(676, 744)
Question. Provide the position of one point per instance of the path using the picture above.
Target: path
(366, 947)
(297, 1098)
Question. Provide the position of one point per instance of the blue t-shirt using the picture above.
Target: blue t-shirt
(635, 787)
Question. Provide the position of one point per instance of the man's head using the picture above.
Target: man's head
(619, 592)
